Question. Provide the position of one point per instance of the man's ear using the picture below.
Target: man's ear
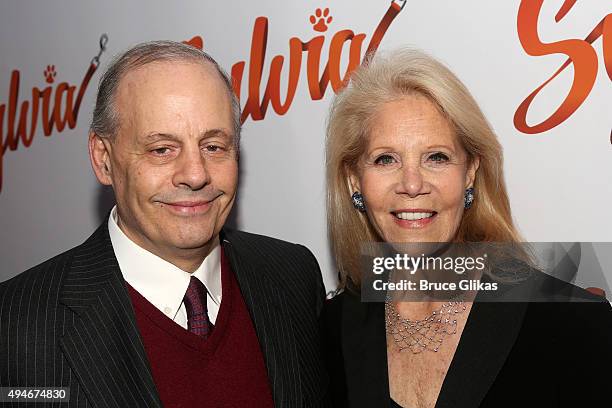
(471, 171)
(99, 155)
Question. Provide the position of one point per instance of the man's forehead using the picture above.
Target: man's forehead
(165, 96)
(164, 69)
(198, 82)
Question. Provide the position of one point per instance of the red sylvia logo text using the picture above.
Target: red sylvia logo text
(57, 104)
(581, 56)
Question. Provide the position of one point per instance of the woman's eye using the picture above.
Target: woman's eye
(384, 160)
(439, 157)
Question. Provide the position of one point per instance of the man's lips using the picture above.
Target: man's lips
(189, 203)
(189, 207)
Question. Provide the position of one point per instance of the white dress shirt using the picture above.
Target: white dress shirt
(160, 282)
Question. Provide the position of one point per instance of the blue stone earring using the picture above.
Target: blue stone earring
(469, 198)
(358, 201)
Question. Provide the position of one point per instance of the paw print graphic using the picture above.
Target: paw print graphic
(50, 74)
(320, 20)
(196, 42)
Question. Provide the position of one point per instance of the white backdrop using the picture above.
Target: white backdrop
(558, 180)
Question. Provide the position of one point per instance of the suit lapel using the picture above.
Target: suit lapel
(487, 339)
(267, 306)
(101, 342)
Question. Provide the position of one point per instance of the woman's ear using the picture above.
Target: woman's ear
(99, 155)
(353, 181)
(471, 171)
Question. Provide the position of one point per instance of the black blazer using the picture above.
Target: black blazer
(69, 322)
(549, 354)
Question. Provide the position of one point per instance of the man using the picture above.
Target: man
(162, 305)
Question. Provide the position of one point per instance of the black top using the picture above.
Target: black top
(545, 354)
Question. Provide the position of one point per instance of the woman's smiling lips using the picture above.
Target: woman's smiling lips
(413, 218)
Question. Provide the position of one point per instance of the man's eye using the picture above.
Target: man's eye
(439, 157)
(384, 160)
(213, 148)
(160, 151)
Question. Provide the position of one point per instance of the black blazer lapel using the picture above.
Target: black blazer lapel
(267, 306)
(364, 347)
(101, 342)
(487, 339)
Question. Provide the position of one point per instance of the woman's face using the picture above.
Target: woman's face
(414, 173)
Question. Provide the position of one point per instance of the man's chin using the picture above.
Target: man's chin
(189, 235)
(200, 241)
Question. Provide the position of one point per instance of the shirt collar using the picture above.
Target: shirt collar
(159, 281)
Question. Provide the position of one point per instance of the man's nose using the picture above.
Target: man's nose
(191, 171)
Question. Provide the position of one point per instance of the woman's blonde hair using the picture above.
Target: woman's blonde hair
(387, 78)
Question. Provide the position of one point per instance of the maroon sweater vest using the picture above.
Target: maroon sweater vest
(225, 370)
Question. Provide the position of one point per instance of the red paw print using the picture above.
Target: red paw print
(196, 42)
(50, 74)
(320, 20)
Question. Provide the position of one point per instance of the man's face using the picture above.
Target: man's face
(173, 162)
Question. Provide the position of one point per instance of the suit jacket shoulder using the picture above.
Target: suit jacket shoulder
(269, 248)
(68, 322)
(292, 266)
(37, 275)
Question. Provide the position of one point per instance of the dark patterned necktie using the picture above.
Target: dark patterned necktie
(197, 311)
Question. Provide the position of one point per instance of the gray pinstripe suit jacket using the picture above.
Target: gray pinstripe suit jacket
(69, 322)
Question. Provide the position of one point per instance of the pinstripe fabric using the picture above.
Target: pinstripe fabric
(69, 322)
(282, 288)
(80, 331)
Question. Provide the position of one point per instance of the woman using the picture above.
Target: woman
(411, 158)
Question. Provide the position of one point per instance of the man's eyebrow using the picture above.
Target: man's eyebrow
(217, 132)
(156, 137)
